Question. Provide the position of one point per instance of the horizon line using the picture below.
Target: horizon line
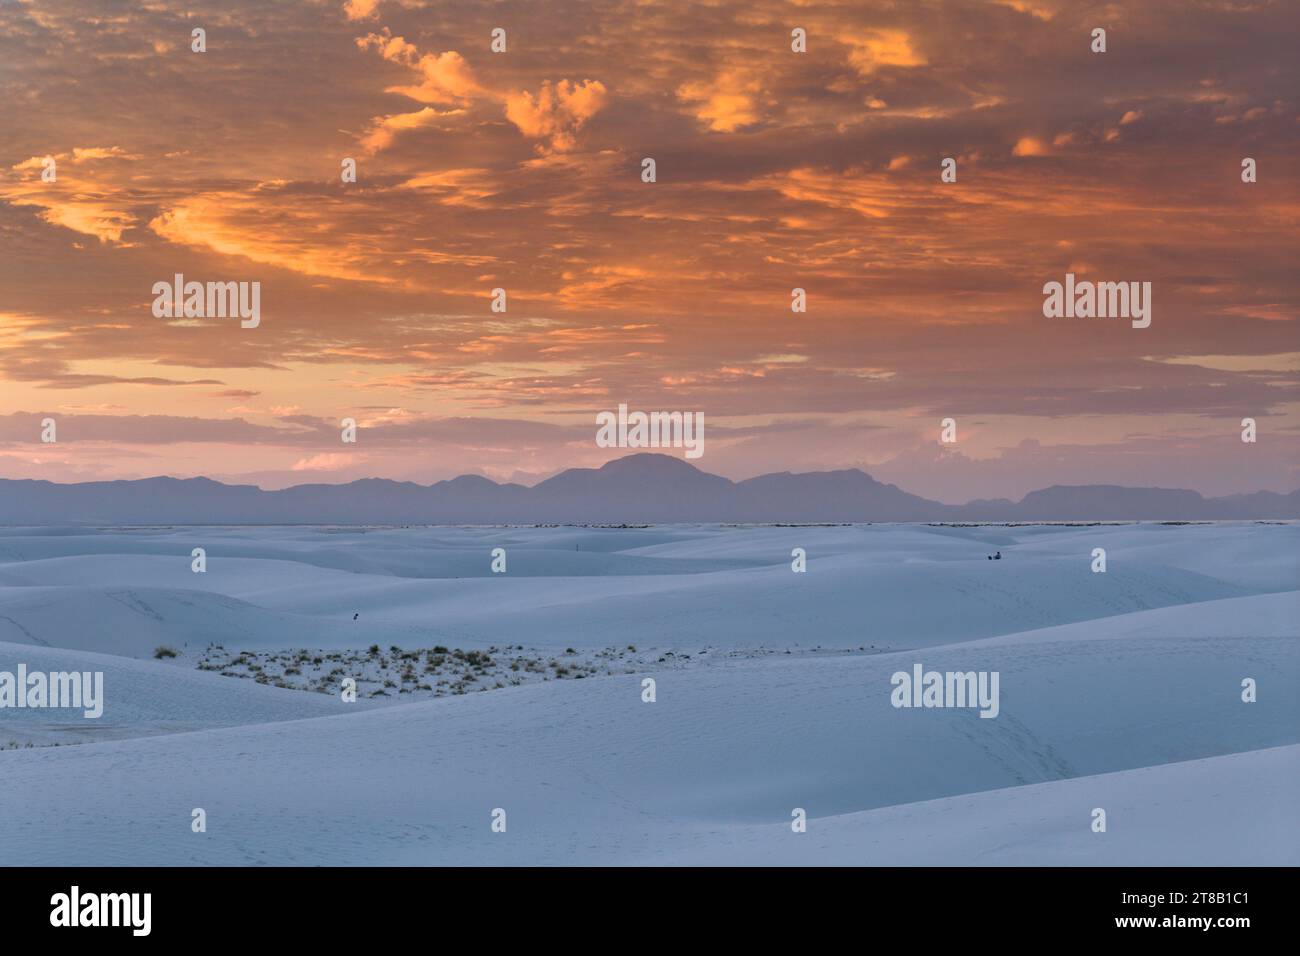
(656, 455)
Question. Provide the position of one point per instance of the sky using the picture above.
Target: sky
(522, 170)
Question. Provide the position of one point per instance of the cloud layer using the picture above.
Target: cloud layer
(521, 170)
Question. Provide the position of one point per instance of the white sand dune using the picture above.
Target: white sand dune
(1120, 690)
(588, 773)
(889, 586)
(147, 697)
(1170, 815)
(134, 621)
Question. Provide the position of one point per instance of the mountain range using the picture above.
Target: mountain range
(637, 489)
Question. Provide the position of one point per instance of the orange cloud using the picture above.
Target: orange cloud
(877, 48)
(85, 202)
(100, 152)
(557, 112)
(726, 103)
(1030, 146)
(329, 461)
(384, 129)
(360, 9)
(234, 224)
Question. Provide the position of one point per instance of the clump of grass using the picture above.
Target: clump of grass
(162, 651)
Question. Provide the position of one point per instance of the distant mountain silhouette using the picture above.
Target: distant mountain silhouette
(643, 488)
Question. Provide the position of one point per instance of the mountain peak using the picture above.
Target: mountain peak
(648, 463)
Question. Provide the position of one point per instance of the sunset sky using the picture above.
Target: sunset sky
(775, 170)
